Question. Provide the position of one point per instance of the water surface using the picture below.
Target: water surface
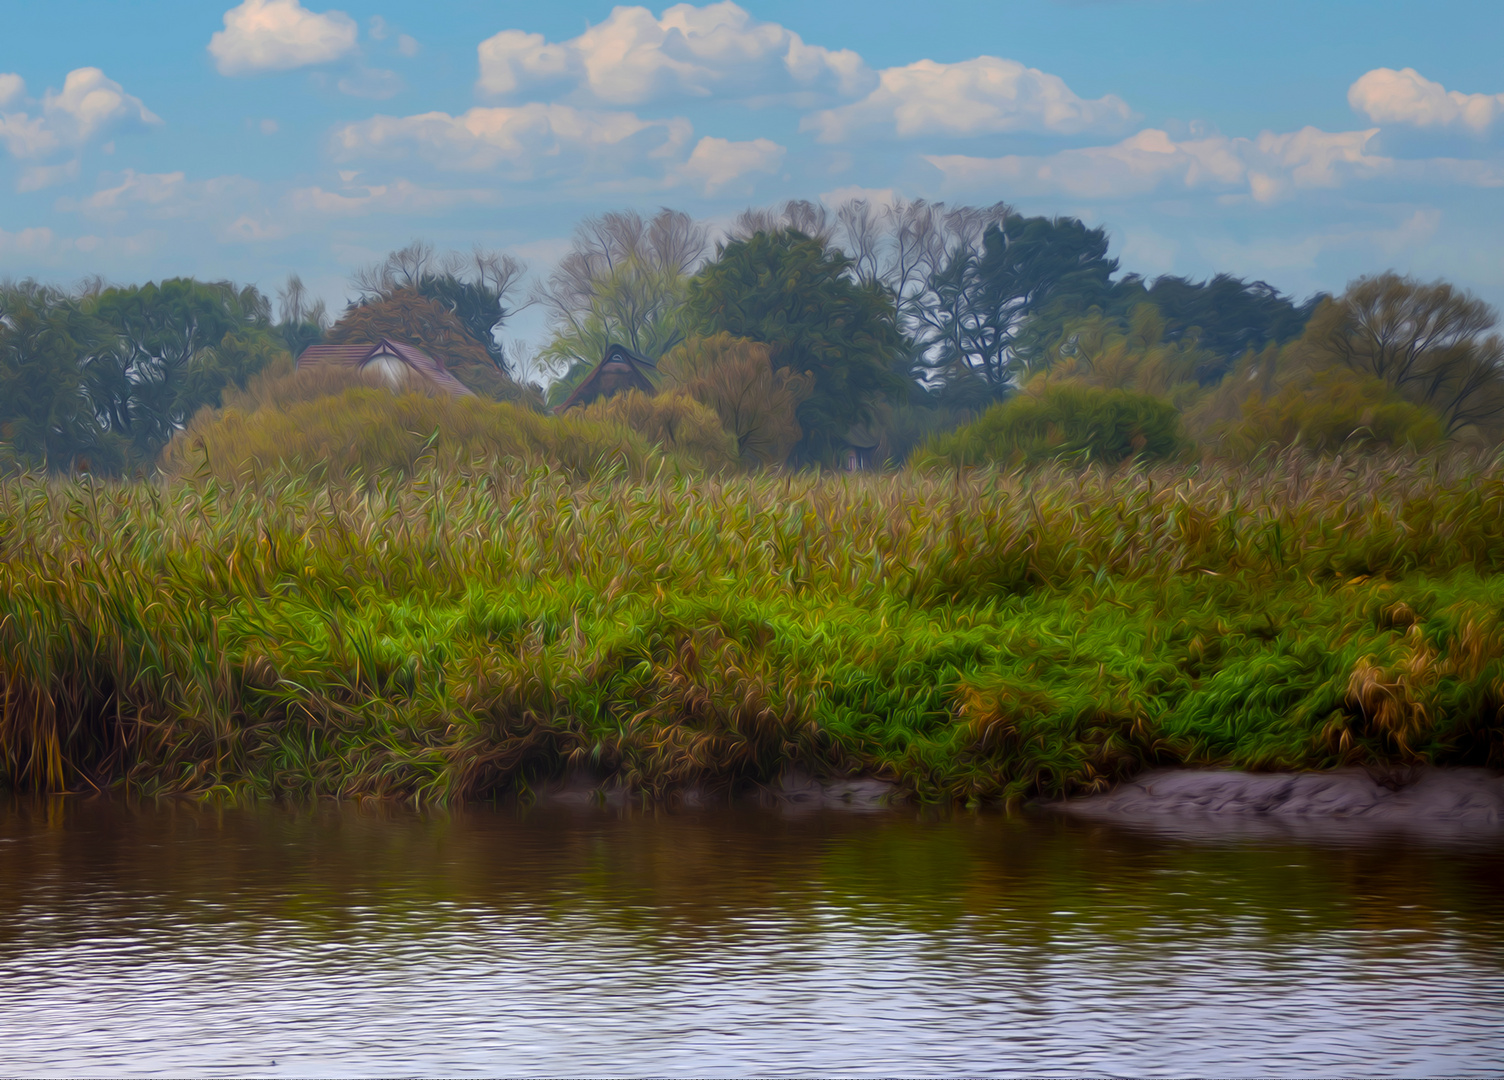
(179, 939)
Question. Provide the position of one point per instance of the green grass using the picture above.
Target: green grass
(974, 636)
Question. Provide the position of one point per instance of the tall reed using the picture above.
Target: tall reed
(979, 635)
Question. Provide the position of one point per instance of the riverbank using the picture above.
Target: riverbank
(972, 638)
(1423, 800)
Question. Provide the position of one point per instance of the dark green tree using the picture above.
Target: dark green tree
(46, 418)
(1225, 317)
(988, 302)
(792, 292)
(171, 349)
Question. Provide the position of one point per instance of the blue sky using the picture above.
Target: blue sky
(1302, 143)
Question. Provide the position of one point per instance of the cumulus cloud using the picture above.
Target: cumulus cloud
(12, 86)
(634, 57)
(88, 105)
(520, 143)
(986, 95)
(1265, 168)
(716, 163)
(274, 35)
(1387, 96)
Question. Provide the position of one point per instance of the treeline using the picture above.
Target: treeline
(804, 336)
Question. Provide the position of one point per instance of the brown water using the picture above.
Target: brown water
(178, 939)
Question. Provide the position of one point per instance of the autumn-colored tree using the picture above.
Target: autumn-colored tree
(1431, 343)
(736, 378)
(413, 319)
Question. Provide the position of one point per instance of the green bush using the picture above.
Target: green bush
(331, 426)
(1063, 422)
(1332, 410)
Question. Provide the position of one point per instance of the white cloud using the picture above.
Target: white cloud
(400, 196)
(268, 126)
(35, 241)
(407, 45)
(716, 163)
(1265, 169)
(152, 189)
(633, 57)
(274, 35)
(519, 143)
(1387, 96)
(89, 104)
(986, 95)
(12, 86)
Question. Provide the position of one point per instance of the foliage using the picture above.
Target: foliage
(1100, 351)
(735, 377)
(476, 291)
(789, 291)
(1333, 410)
(338, 426)
(46, 419)
(622, 283)
(674, 422)
(169, 349)
(1222, 318)
(1065, 421)
(986, 300)
(1430, 342)
(971, 636)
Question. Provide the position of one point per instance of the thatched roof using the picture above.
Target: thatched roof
(620, 369)
(353, 357)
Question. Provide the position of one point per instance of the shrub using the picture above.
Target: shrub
(674, 422)
(1332, 410)
(1064, 421)
(332, 426)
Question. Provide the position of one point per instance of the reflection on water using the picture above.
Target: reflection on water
(179, 939)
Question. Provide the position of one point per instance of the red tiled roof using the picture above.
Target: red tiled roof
(357, 356)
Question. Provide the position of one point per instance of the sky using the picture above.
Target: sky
(1301, 143)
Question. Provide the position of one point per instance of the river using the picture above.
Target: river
(179, 938)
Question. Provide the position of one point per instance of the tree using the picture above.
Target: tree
(302, 320)
(45, 417)
(793, 293)
(1224, 317)
(410, 317)
(1430, 342)
(622, 282)
(476, 291)
(984, 301)
(756, 404)
(170, 349)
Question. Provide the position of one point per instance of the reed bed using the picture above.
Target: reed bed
(973, 636)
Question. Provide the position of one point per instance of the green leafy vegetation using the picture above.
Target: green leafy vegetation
(987, 635)
(1065, 422)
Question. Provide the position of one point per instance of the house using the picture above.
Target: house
(394, 361)
(620, 369)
